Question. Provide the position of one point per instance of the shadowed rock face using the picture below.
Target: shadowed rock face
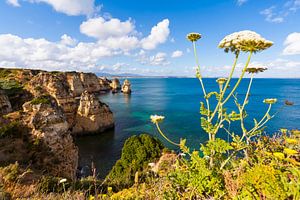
(5, 106)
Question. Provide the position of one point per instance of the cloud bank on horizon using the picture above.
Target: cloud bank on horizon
(120, 44)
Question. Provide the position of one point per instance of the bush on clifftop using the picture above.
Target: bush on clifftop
(137, 152)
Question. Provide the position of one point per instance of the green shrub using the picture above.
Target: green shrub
(137, 152)
(10, 172)
(11, 87)
(41, 100)
(48, 184)
(12, 129)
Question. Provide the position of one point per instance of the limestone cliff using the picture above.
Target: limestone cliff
(126, 87)
(48, 125)
(115, 85)
(55, 105)
(92, 115)
(66, 89)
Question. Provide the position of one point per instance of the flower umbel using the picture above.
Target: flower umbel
(221, 81)
(156, 118)
(244, 41)
(270, 101)
(193, 37)
(255, 70)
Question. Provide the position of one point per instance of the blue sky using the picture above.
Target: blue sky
(145, 37)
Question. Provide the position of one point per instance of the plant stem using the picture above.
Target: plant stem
(239, 80)
(225, 87)
(200, 76)
(162, 134)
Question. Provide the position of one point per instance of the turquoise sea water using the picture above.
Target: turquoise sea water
(178, 99)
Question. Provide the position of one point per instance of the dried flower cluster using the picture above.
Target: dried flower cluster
(247, 41)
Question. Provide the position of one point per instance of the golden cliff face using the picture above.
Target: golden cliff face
(66, 89)
(59, 104)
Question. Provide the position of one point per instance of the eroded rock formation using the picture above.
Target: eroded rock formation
(92, 115)
(115, 85)
(126, 87)
(48, 125)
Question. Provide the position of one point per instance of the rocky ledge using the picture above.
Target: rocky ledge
(51, 107)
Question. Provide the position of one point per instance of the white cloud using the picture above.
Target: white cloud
(278, 14)
(158, 35)
(160, 59)
(115, 34)
(43, 54)
(177, 54)
(13, 3)
(67, 40)
(71, 7)
(292, 43)
(241, 2)
(102, 29)
(271, 16)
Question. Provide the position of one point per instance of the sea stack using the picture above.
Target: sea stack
(126, 87)
(115, 85)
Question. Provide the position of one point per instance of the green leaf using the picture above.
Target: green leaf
(211, 94)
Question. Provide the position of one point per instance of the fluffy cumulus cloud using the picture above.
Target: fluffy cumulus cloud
(70, 54)
(44, 54)
(102, 29)
(292, 44)
(69, 7)
(13, 3)
(122, 34)
(158, 35)
(177, 54)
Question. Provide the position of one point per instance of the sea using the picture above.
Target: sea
(178, 99)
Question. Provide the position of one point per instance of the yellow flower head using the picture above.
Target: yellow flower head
(156, 118)
(193, 37)
(290, 151)
(221, 81)
(291, 141)
(252, 70)
(270, 101)
(279, 155)
(244, 41)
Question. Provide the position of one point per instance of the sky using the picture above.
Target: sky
(146, 37)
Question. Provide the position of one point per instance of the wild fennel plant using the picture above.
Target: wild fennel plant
(214, 119)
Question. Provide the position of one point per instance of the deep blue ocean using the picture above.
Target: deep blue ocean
(178, 99)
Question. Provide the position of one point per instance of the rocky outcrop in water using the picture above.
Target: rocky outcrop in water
(126, 87)
(115, 85)
(5, 106)
(92, 115)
